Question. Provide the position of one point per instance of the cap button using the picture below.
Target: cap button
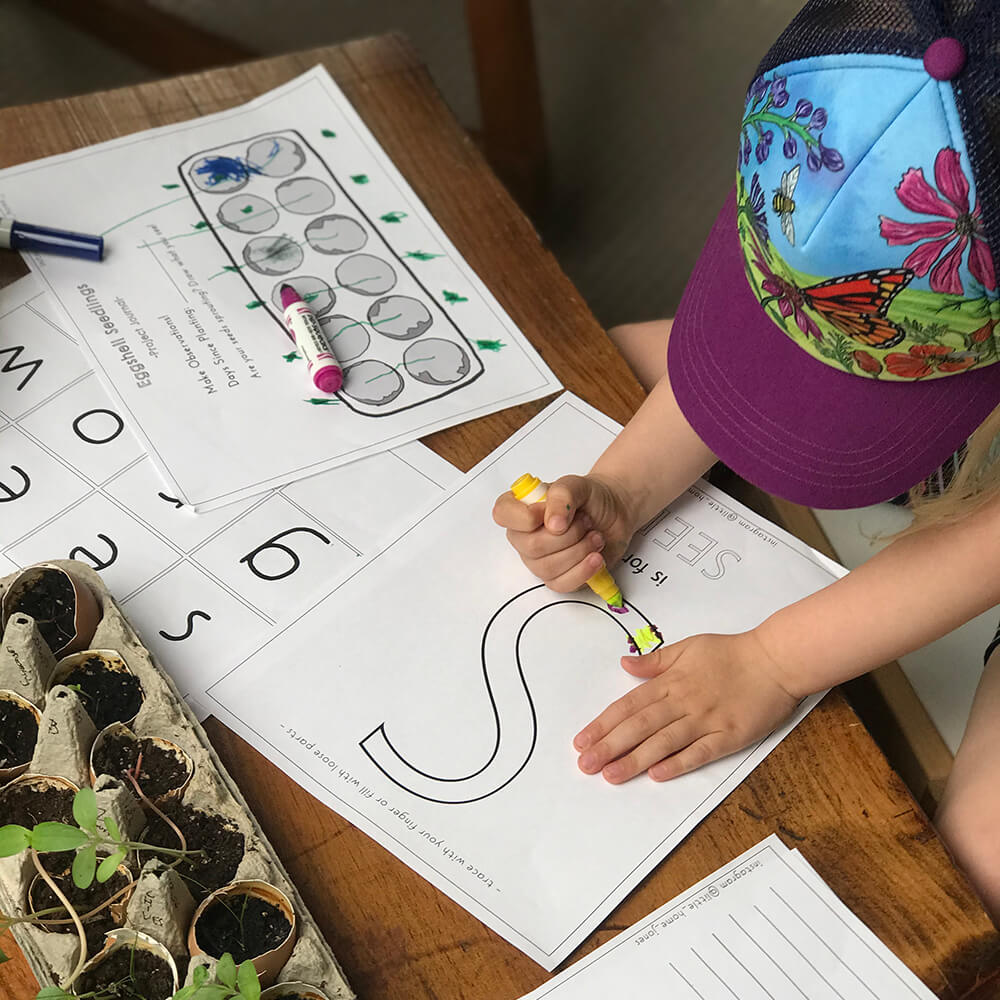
(945, 58)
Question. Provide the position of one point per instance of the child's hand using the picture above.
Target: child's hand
(705, 697)
(583, 524)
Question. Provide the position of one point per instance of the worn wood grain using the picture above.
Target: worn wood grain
(826, 790)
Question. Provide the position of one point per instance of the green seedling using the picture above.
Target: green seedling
(86, 840)
(230, 982)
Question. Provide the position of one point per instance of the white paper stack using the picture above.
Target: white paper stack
(764, 926)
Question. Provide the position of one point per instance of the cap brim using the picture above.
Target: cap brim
(792, 425)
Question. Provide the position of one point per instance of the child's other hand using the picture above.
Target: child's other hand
(704, 697)
(583, 524)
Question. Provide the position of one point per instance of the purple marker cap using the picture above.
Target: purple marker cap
(329, 379)
(24, 236)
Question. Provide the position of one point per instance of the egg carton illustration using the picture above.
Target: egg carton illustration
(48, 673)
(281, 215)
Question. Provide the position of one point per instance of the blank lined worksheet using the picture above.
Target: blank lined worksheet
(764, 927)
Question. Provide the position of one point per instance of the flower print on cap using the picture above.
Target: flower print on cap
(804, 124)
(957, 225)
(925, 359)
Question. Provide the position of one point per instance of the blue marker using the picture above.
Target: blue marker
(24, 236)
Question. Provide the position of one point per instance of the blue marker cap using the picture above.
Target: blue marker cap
(40, 239)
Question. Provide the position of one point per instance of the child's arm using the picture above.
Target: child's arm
(708, 696)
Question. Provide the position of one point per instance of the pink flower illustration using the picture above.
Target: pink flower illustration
(791, 301)
(957, 226)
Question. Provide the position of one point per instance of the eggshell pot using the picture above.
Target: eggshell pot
(110, 660)
(41, 781)
(269, 964)
(117, 914)
(87, 612)
(280, 990)
(7, 773)
(124, 937)
(120, 729)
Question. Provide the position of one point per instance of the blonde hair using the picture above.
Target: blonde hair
(976, 482)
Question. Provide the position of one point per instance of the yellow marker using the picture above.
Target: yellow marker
(530, 489)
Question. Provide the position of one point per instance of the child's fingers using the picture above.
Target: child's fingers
(624, 737)
(535, 546)
(586, 560)
(511, 513)
(663, 743)
(632, 717)
(702, 751)
(565, 497)
(655, 663)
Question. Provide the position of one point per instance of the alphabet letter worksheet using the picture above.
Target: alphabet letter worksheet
(432, 693)
(75, 483)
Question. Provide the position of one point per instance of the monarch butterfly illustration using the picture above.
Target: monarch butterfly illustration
(856, 304)
(784, 202)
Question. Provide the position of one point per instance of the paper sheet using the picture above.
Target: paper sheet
(203, 222)
(431, 695)
(763, 927)
(201, 588)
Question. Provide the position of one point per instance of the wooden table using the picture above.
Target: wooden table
(826, 790)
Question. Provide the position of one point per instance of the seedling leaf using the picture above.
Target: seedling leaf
(52, 993)
(85, 809)
(186, 992)
(212, 991)
(249, 984)
(13, 840)
(57, 837)
(84, 866)
(225, 971)
(108, 866)
(200, 974)
(112, 827)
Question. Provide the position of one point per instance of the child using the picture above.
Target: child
(835, 345)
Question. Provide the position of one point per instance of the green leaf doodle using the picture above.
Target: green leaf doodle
(200, 225)
(393, 216)
(293, 356)
(422, 255)
(322, 402)
(170, 187)
(359, 178)
(490, 345)
(328, 133)
(452, 297)
(256, 304)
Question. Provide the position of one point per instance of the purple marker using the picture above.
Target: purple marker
(305, 330)
(24, 236)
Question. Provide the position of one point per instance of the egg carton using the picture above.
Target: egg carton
(281, 215)
(160, 906)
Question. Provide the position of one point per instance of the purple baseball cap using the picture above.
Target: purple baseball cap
(838, 339)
